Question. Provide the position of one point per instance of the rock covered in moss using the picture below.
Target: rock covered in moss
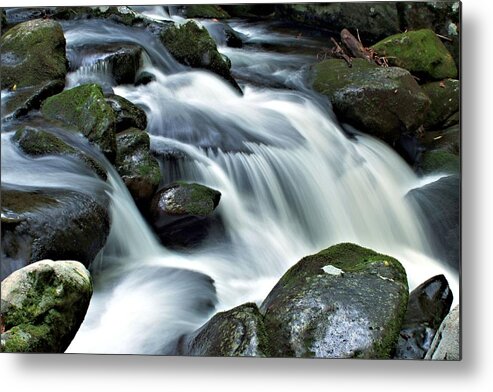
(85, 108)
(445, 101)
(428, 305)
(238, 332)
(43, 306)
(420, 52)
(127, 114)
(343, 302)
(446, 344)
(439, 161)
(137, 167)
(193, 46)
(249, 10)
(33, 53)
(51, 224)
(384, 102)
(38, 143)
(205, 11)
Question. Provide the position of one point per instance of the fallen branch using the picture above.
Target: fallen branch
(337, 51)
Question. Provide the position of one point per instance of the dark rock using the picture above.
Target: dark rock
(192, 45)
(420, 52)
(238, 332)
(439, 161)
(205, 11)
(38, 143)
(43, 306)
(439, 206)
(127, 114)
(445, 101)
(144, 78)
(16, 15)
(138, 169)
(447, 139)
(446, 344)
(249, 10)
(428, 305)
(33, 53)
(51, 224)
(344, 302)
(85, 108)
(224, 35)
(385, 102)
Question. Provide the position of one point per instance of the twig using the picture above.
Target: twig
(444, 37)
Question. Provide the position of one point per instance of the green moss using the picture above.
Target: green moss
(200, 200)
(18, 202)
(205, 11)
(445, 101)
(440, 161)
(36, 143)
(33, 52)
(85, 108)
(421, 52)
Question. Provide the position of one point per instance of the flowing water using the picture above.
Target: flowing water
(292, 183)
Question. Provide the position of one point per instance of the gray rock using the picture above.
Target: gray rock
(344, 302)
(127, 114)
(446, 344)
(43, 305)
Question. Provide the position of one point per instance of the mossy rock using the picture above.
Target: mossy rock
(137, 167)
(238, 332)
(208, 11)
(127, 114)
(445, 101)
(33, 53)
(343, 302)
(84, 107)
(38, 143)
(384, 102)
(439, 161)
(420, 52)
(43, 306)
(51, 224)
(193, 46)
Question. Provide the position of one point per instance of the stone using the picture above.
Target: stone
(446, 345)
(445, 102)
(127, 114)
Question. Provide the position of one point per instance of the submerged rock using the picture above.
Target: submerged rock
(51, 224)
(428, 305)
(238, 332)
(85, 108)
(138, 169)
(445, 101)
(223, 34)
(343, 302)
(127, 114)
(193, 46)
(33, 53)
(420, 52)
(385, 102)
(446, 344)
(43, 306)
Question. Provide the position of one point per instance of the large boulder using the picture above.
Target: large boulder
(373, 20)
(84, 107)
(183, 213)
(438, 203)
(33, 53)
(445, 101)
(38, 143)
(51, 224)
(127, 114)
(43, 306)
(193, 46)
(428, 305)
(238, 332)
(420, 52)
(446, 344)
(385, 102)
(137, 167)
(343, 302)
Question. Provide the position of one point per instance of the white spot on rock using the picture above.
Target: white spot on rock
(331, 270)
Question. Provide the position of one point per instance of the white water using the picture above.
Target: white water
(291, 182)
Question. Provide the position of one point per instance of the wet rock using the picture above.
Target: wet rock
(127, 114)
(182, 214)
(445, 101)
(85, 108)
(385, 102)
(343, 302)
(420, 52)
(428, 305)
(138, 169)
(16, 15)
(439, 161)
(205, 11)
(438, 204)
(33, 53)
(43, 306)
(238, 332)
(224, 35)
(447, 139)
(193, 46)
(144, 78)
(249, 10)
(51, 224)
(446, 344)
